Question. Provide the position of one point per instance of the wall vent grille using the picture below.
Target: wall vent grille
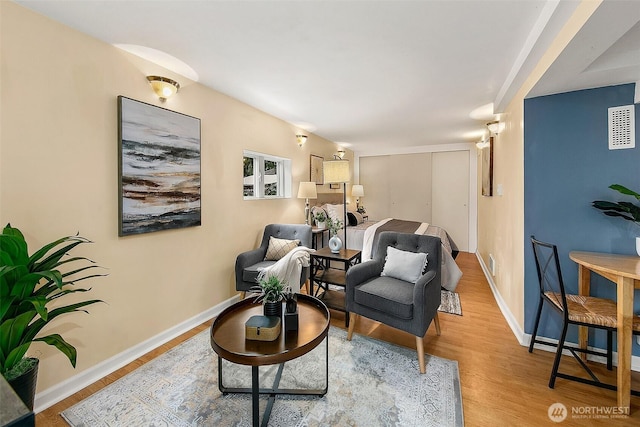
(622, 127)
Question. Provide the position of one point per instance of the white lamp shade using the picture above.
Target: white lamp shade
(357, 190)
(307, 190)
(336, 171)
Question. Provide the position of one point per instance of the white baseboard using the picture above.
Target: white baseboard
(61, 391)
(525, 339)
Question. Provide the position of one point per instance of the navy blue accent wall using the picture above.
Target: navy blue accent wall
(567, 165)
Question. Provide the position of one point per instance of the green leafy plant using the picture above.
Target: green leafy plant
(320, 216)
(334, 226)
(625, 210)
(29, 287)
(270, 289)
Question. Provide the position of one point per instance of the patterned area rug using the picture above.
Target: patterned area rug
(371, 383)
(450, 303)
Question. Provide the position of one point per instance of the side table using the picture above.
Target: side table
(323, 274)
(228, 341)
(318, 232)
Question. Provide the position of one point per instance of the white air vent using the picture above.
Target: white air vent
(622, 130)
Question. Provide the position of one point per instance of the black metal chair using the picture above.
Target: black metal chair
(249, 264)
(592, 312)
(403, 305)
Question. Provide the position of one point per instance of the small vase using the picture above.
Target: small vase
(335, 244)
(638, 245)
(272, 309)
(321, 224)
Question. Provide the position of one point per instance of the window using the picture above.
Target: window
(265, 176)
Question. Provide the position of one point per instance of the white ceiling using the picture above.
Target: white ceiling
(374, 76)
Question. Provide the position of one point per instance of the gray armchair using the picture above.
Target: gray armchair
(249, 264)
(402, 305)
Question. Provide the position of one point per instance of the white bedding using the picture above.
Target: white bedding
(361, 237)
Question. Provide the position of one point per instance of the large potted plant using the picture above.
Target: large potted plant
(31, 290)
(625, 210)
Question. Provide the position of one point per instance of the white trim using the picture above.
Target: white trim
(61, 391)
(511, 320)
(525, 339)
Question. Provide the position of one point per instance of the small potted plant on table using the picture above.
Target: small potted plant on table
(321, 219)
(271, 292)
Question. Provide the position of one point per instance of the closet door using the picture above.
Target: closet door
(374, 177)
(410, 187)
(450, 196)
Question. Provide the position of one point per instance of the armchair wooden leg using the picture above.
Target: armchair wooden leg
(306, 286)
(436, 320)
(420, 349)
(352, 324)
(242, 294)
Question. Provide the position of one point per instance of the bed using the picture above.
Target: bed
(362, 235)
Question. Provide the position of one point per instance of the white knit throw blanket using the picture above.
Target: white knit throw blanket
(289, 268)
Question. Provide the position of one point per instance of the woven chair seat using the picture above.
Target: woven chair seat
(591, 310)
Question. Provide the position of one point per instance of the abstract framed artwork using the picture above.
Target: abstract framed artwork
(487, 169)
(316, 174)
(159, 168)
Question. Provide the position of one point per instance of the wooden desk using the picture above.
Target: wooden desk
(624, 271)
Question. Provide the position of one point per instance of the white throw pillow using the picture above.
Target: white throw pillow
(335, 212)
(404, 265)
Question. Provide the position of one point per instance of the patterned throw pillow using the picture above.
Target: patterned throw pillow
(279, 248)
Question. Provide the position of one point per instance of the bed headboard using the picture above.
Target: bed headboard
(329, 198)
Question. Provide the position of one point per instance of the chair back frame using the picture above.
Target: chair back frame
(548, 263)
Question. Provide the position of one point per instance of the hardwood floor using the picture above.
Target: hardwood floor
(502, 383)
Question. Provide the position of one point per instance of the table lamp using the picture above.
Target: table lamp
(307, 190)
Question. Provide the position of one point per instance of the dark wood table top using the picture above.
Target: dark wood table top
(343, 255)
(229, 342)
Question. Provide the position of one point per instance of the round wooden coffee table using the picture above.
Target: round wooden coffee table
(228, 341)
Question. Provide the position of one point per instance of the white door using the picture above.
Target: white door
(450, 195)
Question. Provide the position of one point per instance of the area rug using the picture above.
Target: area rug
(371, 383)
(450, 303)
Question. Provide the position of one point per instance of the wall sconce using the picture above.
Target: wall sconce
(307, 190)
(301, 139)
(164, 87)
(495, 127)
(341, 153)
(482, 144)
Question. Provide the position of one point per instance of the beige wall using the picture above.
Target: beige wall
(59, 175)
(501, 218)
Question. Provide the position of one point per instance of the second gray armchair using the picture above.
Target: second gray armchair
(394, 301)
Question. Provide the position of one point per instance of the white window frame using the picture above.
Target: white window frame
(283, 176)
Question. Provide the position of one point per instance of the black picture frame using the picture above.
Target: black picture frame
(159, 165)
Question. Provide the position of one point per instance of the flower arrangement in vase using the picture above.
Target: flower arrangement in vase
(335, 244)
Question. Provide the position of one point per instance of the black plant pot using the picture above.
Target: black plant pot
(273, 309)
(25, 385)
